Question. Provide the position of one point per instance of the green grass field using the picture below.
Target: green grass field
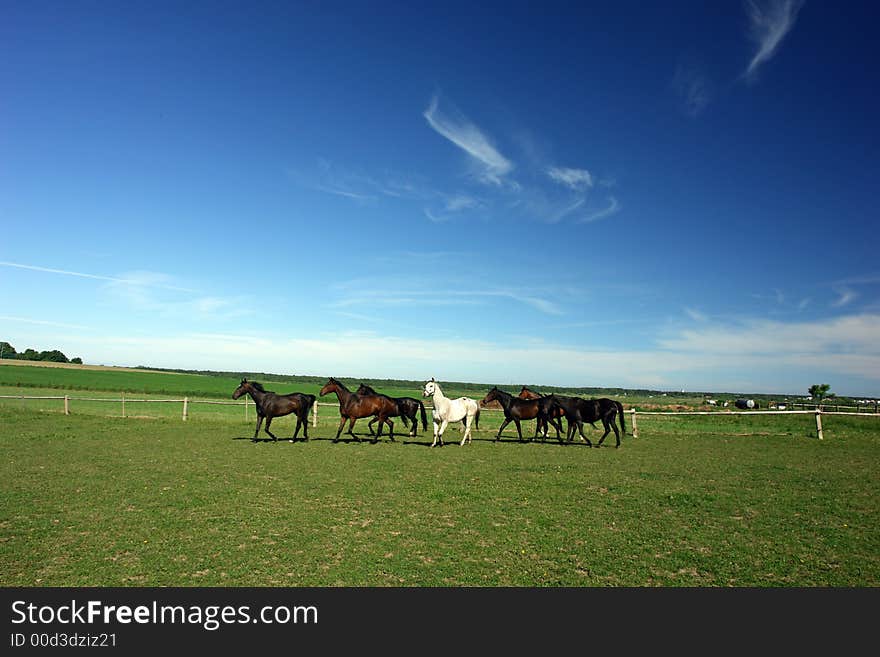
(710, 501)
(19, 378)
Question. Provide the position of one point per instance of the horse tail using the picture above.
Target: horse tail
(622, 421)
(424, 416)
(477, 418)
(310, 401)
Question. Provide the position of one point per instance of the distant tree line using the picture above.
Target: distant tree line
(54, 356)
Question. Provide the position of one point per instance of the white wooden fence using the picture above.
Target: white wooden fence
(246, 403)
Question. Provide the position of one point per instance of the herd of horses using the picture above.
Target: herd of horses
(365, 402)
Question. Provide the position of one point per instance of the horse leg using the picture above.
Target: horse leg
(607, 431)
(443, 424)
(616, 432)
(257, 430)
(305, 421)
(436, 431)
(557, 424)
(501, 428)
(381, 421)
(302, 420)
(390, 424)
(584, 438)
(518, 429)
(339, 430)
(351, 422)
(266, 429)
(467, 430)
(580, 425)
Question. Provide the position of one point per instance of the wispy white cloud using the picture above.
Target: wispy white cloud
(463, 133)
(846, 295)
(459, 202)
(338, 191)
(850, 334)
(435, 218)
(769, 22)
(150, 298)
(143, 279)
(696, 315)
(613, 208)
(360, 293)
(692, 88)
(576, 179)
(43, 322)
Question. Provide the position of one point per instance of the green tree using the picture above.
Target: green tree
(54, 356)
(29, 354)
(7, 350)
(819, 391)
(77, 360)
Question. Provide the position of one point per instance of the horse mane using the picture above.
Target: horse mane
(257, 386)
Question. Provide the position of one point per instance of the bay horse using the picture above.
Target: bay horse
(517, 409)
(578, 411)
(407, 408)
(270, 405)
(446, 410)
(353, 406)
(556, 412)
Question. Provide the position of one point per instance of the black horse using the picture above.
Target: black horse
(407, 408)
(270, 405)
(517, 409)
(527, 393)
(578, 411)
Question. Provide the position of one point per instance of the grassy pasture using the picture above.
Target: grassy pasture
(698, 501)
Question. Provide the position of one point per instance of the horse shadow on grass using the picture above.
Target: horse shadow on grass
(299, 439)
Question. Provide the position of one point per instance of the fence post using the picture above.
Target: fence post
(315, 414)
(185, 404)
(635, 426)
(123, 404)
(819, 423)
(245, 409)
(66, 405)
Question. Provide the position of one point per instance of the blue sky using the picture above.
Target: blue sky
(676, 196)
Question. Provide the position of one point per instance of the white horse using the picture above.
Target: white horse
(463, 409)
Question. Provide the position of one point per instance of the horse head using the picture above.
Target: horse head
(430, 387)
(491, 396)
(528, 393)
(241, 389)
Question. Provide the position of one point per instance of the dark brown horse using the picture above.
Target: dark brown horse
(407, 408)
(517, 409)
(578, 411)
(353, 406)
(556, 412)
(270, 405)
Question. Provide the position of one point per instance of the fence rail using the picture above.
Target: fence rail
(186, 401)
